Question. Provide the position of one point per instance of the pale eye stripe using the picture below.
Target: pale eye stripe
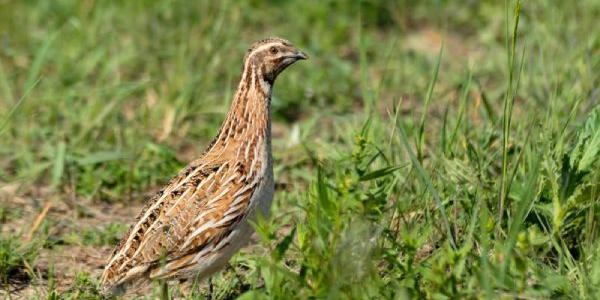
(263, 47)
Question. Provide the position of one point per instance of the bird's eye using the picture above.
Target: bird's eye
(273, 50)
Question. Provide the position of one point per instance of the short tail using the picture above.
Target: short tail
(113, 285)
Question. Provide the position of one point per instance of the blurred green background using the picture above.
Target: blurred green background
(448, 152)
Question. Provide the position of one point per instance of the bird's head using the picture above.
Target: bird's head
(271, 56)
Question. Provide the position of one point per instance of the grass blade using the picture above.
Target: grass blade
(427, 182)
(509, 100)
(15, 107)
(421, 132)
(59, 164)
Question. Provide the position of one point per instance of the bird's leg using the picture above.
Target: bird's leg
(210, 289)
(164, 290)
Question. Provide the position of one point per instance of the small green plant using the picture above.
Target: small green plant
(8, 213)
(83, 287)
(105, 236)
(16, 259)
(114, 175)
(334, 245)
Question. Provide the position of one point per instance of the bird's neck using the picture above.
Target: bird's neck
(249, 115)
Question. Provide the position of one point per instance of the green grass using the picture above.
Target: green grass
(428, 149)
(16, 259)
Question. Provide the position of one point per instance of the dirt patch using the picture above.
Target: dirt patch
(46, 219)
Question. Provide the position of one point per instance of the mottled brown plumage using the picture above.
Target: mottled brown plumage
(200, 218)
